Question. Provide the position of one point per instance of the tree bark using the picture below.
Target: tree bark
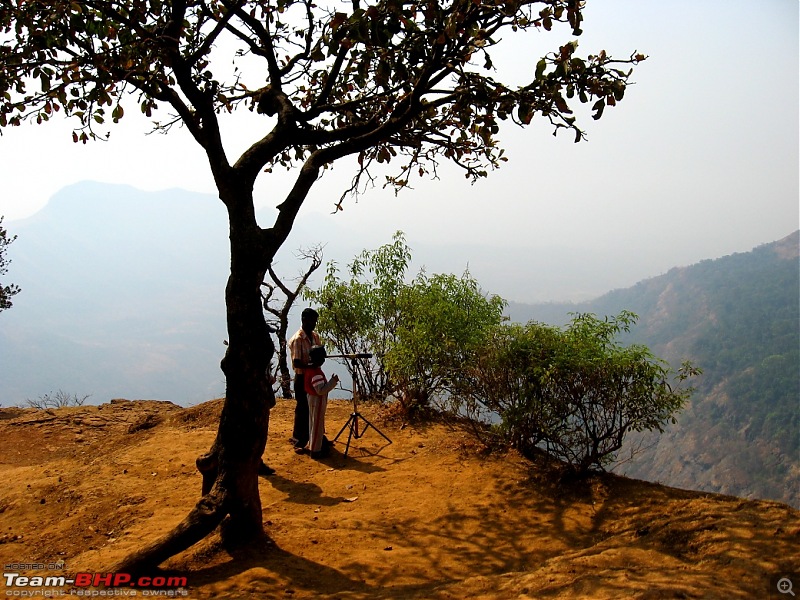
(283, 363)
(230, 468)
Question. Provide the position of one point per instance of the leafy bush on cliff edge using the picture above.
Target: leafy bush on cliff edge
(573, 392)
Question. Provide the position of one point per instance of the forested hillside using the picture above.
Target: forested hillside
(738, 318)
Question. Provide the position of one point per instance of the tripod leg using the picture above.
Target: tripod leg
(358, 415)
(343, 428)
(350, 435)
(352, 423)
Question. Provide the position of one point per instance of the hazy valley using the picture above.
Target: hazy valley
(123, 299)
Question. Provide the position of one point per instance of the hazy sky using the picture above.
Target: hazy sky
(699, 160)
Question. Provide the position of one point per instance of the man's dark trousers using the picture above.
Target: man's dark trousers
(300, 430)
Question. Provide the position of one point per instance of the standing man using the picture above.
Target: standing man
(300, 346)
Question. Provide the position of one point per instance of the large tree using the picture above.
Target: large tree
(409, 82)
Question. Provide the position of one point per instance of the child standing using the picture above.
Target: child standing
(317, 387)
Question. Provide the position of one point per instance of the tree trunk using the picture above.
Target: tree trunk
(283, 363)
(230, 467)
(242, 433)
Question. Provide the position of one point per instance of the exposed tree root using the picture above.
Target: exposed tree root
(207, 514)
(230, 489)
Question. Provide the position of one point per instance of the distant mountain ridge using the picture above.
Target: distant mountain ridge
(123, 293)
(738, 318)
(122, 296)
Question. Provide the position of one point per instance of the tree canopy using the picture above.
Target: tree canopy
(408, 78)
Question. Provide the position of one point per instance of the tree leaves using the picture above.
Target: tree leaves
(6, 291)
(420, 332)
(574, 392)
(598, 107)
(385, 80)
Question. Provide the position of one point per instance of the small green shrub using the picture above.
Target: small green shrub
(572, 392)
(442, 320)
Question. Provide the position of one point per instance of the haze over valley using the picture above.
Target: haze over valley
(122, 297)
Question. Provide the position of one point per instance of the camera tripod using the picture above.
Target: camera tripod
(357, 430)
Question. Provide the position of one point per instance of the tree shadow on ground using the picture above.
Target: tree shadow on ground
(273, 572)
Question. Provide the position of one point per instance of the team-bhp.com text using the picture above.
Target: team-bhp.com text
(147, 586)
